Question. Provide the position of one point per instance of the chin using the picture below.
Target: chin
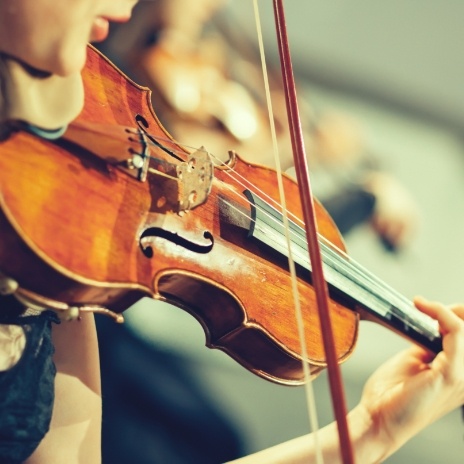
(70, 63)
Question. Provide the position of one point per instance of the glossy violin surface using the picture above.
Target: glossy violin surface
(97, 229)
(115, 210)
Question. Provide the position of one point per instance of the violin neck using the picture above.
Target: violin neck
(349, 283)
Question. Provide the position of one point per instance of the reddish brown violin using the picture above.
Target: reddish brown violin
(116, 210)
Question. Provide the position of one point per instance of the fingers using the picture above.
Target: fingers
(450, 320)
(451, 325)
(421, 354)
(458, 309)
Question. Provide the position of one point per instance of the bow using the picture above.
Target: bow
(320, 285)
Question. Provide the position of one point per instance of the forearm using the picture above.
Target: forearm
(303, 450)
(75, 431)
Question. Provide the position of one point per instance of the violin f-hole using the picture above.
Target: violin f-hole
(173, 237)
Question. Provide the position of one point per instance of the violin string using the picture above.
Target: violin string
(243, 182)
(342, 260)
(364, 280)
(338, 256)
(234, 175)
(355, 266)
(335, 258)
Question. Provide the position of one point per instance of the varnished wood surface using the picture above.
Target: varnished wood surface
(71, 226)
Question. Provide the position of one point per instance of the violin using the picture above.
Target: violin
(115, 209)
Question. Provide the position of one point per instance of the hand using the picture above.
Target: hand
(413, 389)
(338, 140)
(395, 218)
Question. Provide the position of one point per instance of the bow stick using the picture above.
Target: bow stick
(320, 285)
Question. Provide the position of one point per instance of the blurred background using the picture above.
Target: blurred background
(394, 71)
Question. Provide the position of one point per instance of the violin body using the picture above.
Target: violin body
(77, 229)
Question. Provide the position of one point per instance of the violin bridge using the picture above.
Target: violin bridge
(181, 187)
(195, 179)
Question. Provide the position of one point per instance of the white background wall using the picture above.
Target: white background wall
(406, 52)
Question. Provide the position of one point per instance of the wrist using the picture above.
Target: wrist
(369, 444)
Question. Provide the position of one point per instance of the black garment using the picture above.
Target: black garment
(27, 390)
(350, 207)
(154, 410)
